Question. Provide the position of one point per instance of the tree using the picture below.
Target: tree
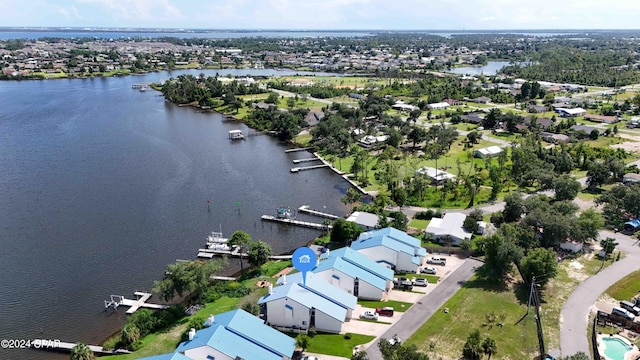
(344, 231)
(242, 240)
(286, 126)
(259, 253)
(302, 341)
(396, 351)
(594, 134)
(541, 263)
(251, 308)
(608, 245)
(489, 347)
(597, 175)
(186, 277)
(471, 224)
(500, 254)
(291, 102)
(272, 98)
(620, 203)
(351, 196)
(129, 334)
(491, 120)
(577, 356)
(589, 223)
(81, 352)
(360, 355)
(472, 349)
(566, 188)
(513, 207)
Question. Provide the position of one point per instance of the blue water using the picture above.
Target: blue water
(491, 68)
(615, 348)
(102, 186)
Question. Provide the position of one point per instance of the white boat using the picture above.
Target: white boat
(284, 213)
(216, 238)
(214, 246)
(236, 135)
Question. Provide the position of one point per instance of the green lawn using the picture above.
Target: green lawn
(396, 305)
(273, 267)
(419, 224)
(626, 288)
(336, 344)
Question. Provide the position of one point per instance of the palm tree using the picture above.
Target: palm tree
(489, 347)
(81, 352)
(242, 240)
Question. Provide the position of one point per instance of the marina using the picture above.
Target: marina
(140, 301)
(306, 209)
(296, 222)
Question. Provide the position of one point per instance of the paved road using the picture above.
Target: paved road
(575, 312)
(422, 310)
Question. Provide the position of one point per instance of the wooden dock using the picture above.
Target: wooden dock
(299, 149)
(297, 222)
(210, 253)
(297, 161)
(140, 301)
(298, 169)
(57, 345)
(306, 209)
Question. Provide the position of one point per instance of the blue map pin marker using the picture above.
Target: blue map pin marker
(304, 259)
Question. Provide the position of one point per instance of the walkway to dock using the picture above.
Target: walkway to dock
(299, 149)
(297, 169)
(306, 209)
(56, 345)
(297, 161)
(297, 222)
(210, 253)
(140, 301)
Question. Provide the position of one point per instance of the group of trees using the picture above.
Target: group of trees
(258, 252)
(186, 89)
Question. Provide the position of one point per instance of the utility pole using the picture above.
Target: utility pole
(536, 304)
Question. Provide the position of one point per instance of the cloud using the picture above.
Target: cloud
(130, 12)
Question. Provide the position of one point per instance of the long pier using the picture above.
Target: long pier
(297, 161)
(210, 253)
(297, 169)
(306, 209)
(299, 149)
(56, 345)
(140, 301)
(297, 222)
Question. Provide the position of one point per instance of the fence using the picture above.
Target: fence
(594, 338)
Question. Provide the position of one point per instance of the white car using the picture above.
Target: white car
(395, 340)
(310, 358)
(428, 270)
(369, 315)
(420, 282)
(437, 260)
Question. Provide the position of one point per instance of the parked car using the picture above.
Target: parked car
(310, 358)
(428, 270)
(437, 260)
(369, 315)
(385, 311)
(622, 312)
(630, 307)
(395, 340)
(420, 282)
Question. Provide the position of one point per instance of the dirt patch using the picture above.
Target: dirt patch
(628, 146)
(575, 270)
(283, 272)
(263, 283)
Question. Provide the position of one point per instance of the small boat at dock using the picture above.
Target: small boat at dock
(236, 135)
(284, 213)
(216, 238)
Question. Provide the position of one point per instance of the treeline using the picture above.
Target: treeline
(186, 89)
(315, 90)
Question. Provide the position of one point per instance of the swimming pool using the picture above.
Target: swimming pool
(615, 348)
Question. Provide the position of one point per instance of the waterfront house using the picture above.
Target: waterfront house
(355, 273)
(316, 303)
(233, 335)
(365, 220)
(436, 176)
(313, 118)
(370, 141)
(392, 248)
(449, 228)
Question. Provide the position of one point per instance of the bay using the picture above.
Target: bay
(102, 186)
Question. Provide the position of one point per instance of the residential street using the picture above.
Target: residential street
(427, 306)
(575, 312)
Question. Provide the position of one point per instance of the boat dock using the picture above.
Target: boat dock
(57, 345)
(297, 161)
(306, 209)
(297, 222)
(209, 254)
(141, 86)
(299, 149)
(298, 169)
(236, 135)
(140, 301)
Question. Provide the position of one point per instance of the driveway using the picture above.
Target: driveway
(575, 312)
(427, 306)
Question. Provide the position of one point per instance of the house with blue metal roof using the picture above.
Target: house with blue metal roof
(355, 273)
(391, 247)
(317, 304)
(233, 335)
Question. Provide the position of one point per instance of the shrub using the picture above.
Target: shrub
(136, 345)
(347, 336)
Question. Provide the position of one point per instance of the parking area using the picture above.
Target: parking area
(376, 329)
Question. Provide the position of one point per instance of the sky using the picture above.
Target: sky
(324, 14)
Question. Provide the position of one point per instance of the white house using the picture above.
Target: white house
(573, 246)
(451, 226)
(401, 106)
(371, 141)
(365, 220)
(355, 273)
(392, 248)
(564, 112)
(438, 106)
(487, 152)
(314, 304)
(436, 176)
(233, 335)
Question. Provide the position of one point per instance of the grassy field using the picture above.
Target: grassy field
(396, 305)
(354, 82)
(419, 224)
(336, 344)
(626, 288)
